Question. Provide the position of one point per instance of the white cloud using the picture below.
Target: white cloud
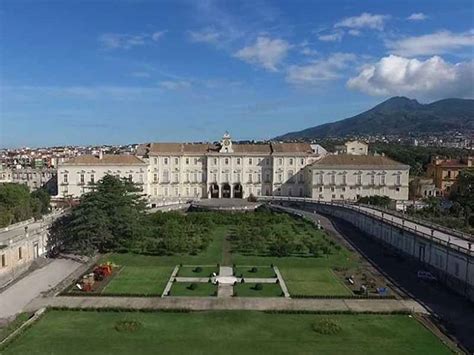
(417, 16)
(207, 35)
(308, 51)
(332, 37)
(128, 41)
(365, 20)
(155, 36)
(265, 52)
(434, 43)
(320, 70)
(431, 78)
(175, 85)
(354, 32)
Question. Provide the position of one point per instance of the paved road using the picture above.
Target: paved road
(233, 303)
(14, 299)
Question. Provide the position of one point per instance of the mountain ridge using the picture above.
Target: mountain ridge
(397, 115)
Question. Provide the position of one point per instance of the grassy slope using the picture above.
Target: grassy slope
(231, 332)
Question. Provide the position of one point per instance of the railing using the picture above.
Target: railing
(345, 205)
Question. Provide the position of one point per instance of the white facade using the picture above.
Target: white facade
(346, 177)
(78, 175)
(356, 148)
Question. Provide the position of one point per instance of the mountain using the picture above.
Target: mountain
(398, 115)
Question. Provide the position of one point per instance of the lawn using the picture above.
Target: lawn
(261, 271)
(248, 290)
(224, 332)
(193, 271)
(318, 281)
(203, 289)
(132, 279)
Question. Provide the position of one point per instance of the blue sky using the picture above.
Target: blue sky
(90, 72)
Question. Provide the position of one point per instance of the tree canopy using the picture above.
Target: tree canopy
(18, 204)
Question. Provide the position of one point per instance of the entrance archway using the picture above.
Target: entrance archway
(226, 191)
(238, 193)
(214, 190)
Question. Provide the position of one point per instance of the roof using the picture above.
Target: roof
(451, 163)
(292, 148)
(359, 161)
(174, 148)
(252, 148)
(106, 160)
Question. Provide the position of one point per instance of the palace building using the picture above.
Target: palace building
(169, 172)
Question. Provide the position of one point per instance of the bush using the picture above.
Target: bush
(192, 287)
(258, 287)
(197, 269)
(326, 327)
(128, 326)
(254, 270)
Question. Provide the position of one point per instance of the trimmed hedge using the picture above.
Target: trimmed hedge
(120, 310)
(369, 297)
(91, 294)
(290, 311)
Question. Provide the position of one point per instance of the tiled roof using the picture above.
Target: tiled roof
(363, 161)
(292, 148)
(177, 148)
(252, 148)
(106, 160)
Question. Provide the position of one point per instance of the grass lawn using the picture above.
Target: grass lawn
(139, 280)
(14, 325)
(230, 332)
(203, 289)
(262, 271)
(319, 281)
(248, 290)
(190, 271)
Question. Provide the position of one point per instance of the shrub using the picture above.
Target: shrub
(258, 287)
(192, 287)
(326, 327)
(197, 269)
(128, 326)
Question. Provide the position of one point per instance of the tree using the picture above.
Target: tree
(106, 219)
(464, 191)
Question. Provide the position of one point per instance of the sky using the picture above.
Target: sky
(118, 72)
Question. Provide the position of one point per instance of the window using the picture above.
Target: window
(399, 178)
(82, 178)
(291, 161)
(359, 179)
(302, 161)
(334, 196)
(226, 161)
(187, 161)
(214, 177)
(155, 191)
(280, 161)
(382, 179)
(344, 179)
(321, 178)
(4, 260)
(165, 161)
(250, 161)
(196, 160)
(333, 179)
(92, 179)
(155, 177)
(130, 177)
(187, 177)
(195, 177)
(250, 177)
(166, 191)
(20, 253)
(372, 179)
(290, 175)
(166, 176)
(267, 177)
(176, 161)
(238, 161)
(215, 161)
(267, 161)
(155, 161)
(280, 177)
(65, 178)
